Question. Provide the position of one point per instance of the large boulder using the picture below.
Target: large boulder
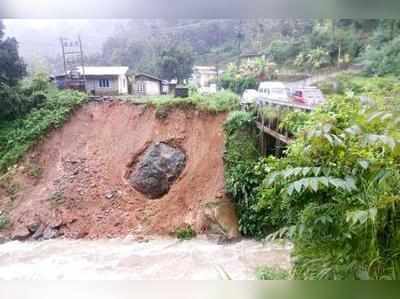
(20, 233)
(159, 167)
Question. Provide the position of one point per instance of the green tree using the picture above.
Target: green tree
(176, 63)
(383, 60)
(12, 67)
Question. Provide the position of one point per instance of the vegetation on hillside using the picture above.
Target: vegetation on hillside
(12, 67)
(270, 273)
(335, 194)
(185, 233)
(305, 45)
(221, 101)
(17, 136)
(28, 108)
(247, 75)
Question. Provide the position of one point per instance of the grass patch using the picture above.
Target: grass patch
(222, 101)
(185, 233)
(270, 273)
(17, 136)
(4, 222)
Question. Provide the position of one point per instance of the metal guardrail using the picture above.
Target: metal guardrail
(261, 102)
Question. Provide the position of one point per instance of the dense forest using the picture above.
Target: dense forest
(302, 44)
(150, 45)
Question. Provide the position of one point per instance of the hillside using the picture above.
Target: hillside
(74, 183)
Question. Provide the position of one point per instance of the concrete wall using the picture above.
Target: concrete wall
(123, 84)
(203, 78)
(117, 85)
(151, 87)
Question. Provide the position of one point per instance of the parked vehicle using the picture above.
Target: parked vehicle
(310, 96)
(274, 91)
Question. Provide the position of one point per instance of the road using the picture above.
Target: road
(113, 259)
(317, 78)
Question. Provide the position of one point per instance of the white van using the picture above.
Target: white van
(274, 91)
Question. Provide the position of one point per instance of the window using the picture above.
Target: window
(140, 87)
(298, 93)
(104, 83)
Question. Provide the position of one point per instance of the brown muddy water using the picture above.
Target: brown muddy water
(166, 259)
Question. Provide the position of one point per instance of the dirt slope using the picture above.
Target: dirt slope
(74, 180)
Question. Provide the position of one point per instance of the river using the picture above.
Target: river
(196, 259)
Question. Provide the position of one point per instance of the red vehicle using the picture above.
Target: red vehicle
(310, 96)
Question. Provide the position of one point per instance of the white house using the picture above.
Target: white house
(100, 80)
(147, 85)
(203, 76)
(106, 80)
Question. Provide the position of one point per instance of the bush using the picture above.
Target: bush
(245, 171)
(341, 179)
(4, 222)
(284, 51)
(335, 194)
(242, 172)
(218, 102)
(269, 273)
(185, 233)
(17, 101)
(382, 60)
(237, 84)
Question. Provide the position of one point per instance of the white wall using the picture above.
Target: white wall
(123, 84)
(117, 86)
(93, 84)
(152, 88)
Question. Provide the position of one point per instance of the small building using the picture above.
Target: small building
(100, 80)
(165, 87)
(147, 85)
(203, 76)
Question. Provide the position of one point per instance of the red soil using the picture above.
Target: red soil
(82, 186)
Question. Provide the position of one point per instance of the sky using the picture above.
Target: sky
(39, 38)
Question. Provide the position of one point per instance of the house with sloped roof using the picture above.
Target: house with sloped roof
(203, 76)
(148, 85)
(98, 80)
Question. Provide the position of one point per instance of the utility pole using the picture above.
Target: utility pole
(239, 36)
(82, 60)
(63, 54)
(73, 58)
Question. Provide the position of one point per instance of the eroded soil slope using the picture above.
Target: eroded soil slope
(75, 182)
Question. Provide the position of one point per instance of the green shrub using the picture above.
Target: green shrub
(282, 51)
(238, 84)
(19, 100)
(218, 102)
(269, 273)
(242, 177)
(185, 233)
(335, 194)
(341, 179)
(4, 222)
(17, 136)
(383, 59)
